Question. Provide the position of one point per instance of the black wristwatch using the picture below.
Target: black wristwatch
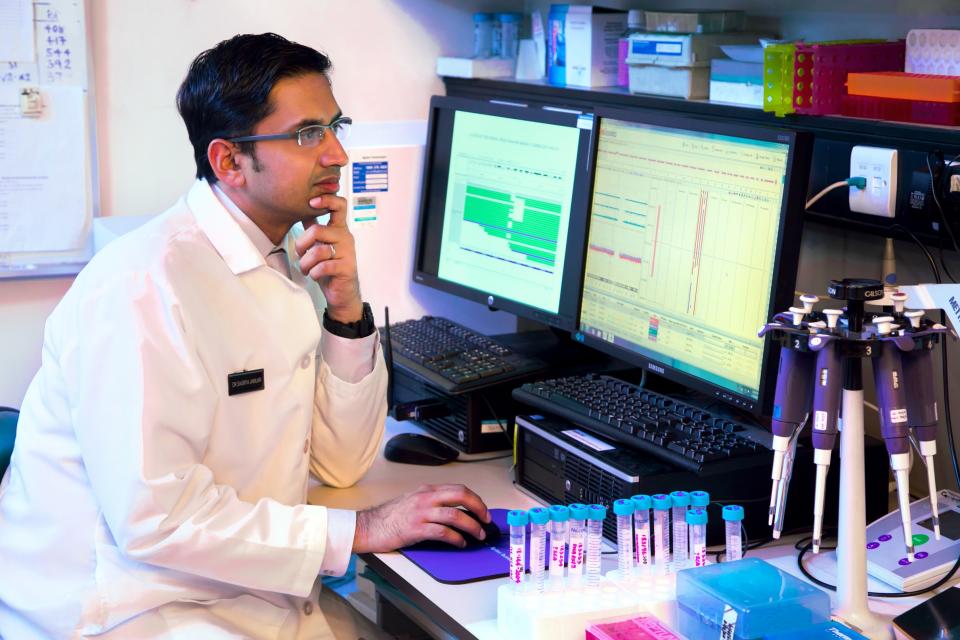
(362, 328)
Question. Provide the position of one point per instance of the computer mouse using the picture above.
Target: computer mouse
(490, 528)
(414, 448)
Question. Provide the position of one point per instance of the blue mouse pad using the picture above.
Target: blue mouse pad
(459, 566)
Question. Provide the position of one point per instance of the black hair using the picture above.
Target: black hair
(227, 89)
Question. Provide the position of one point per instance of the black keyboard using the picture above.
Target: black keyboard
(455, 358)
(679, 433)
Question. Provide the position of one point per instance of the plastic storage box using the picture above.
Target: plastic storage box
(820, 71)
(745, 599)
(695, 21)
(933, 51)
(811, 78)
(917, 111)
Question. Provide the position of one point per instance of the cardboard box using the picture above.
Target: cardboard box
(736, 82)
(582, 45)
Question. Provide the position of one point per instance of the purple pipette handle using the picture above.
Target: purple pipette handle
(794, 391)
(827, 392)
(921, 399)
(891, 398)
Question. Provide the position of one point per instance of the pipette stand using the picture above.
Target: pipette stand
(856, 339)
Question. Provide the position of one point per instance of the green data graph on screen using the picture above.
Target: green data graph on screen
(508, 206)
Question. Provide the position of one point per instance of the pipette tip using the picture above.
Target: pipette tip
(816, 545)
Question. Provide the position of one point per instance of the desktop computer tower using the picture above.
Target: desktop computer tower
(559, 463)
(473, 422)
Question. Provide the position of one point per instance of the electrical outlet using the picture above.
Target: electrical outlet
(879, 167)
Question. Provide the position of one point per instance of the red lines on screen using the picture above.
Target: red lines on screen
(698, 246)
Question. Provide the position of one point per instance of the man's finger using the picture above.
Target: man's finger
(455, 495)
(458, 519)
(335, 206)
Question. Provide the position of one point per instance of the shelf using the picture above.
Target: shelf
(839, 127)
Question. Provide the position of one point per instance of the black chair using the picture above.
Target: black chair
(8, 433)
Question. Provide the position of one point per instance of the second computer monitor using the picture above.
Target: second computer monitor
(503, 208)
(693, 243)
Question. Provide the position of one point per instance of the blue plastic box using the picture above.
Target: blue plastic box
(746, 599)
(825, 631)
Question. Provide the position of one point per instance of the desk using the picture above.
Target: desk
(470, 610)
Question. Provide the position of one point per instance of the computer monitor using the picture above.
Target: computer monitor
(694, 239)
(503, 207)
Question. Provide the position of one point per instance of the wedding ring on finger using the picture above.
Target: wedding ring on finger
(333, 251)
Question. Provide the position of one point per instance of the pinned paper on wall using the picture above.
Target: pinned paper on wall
(16, 31)
(364, 209)
(369, 174)
(44, 198)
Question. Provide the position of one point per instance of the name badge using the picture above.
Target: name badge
(244, 381)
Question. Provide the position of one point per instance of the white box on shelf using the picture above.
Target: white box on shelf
(589, 37)
(678, 82)
(682, 49)
(475, 67)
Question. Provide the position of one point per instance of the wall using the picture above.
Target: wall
(383, 52)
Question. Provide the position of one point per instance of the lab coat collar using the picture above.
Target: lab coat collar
(231, 242)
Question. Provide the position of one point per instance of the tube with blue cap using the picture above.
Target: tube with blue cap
(517, 520)
(624, 509)
(641, 528)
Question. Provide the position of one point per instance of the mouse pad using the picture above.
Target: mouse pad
(459, 566)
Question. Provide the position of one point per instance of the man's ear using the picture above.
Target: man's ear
(225, 160)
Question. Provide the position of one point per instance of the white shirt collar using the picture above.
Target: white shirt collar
(257, 236)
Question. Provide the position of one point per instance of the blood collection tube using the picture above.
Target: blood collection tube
(559, 521)
(539, 517)
(680, 501)
(623, 509)
(697, 521)
(733, 517)
(661, 532)
(641, 531)
(578, 536)
(518, 541)
(596, 513)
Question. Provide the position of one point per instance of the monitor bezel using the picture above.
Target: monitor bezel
(567, 316)
(786, 258)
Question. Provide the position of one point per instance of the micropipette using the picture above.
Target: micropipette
(892, 402)
(790, 405)
(827, 393)
(922, 408)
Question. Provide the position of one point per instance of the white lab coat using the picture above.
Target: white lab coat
(138, 487)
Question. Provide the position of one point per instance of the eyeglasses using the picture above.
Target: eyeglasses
(308, 136)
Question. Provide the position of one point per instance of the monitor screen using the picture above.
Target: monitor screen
(688, 225)
(504, 207)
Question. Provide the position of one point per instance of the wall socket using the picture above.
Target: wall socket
(879, 167)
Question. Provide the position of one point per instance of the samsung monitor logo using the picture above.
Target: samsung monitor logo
(655, 368)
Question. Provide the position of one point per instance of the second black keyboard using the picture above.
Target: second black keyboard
(455, 358)
(666, 428)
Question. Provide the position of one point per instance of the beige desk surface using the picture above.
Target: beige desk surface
(472, 607)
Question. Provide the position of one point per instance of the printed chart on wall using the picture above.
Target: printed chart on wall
(681, 223)
(47, 168)
(508, 207)
(369, 177)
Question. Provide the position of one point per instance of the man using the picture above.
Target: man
(188, 388)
